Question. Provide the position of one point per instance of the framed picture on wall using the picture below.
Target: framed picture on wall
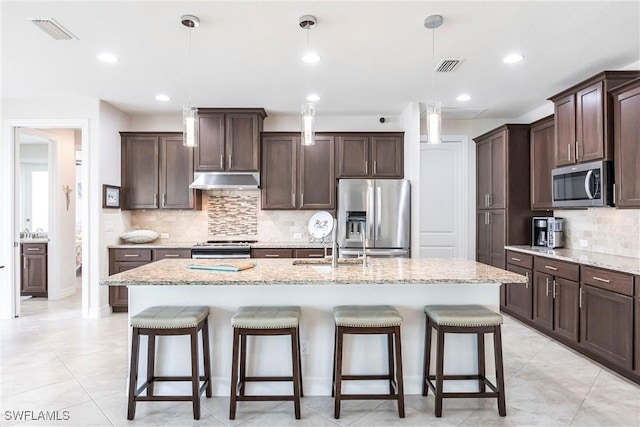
(110, 196)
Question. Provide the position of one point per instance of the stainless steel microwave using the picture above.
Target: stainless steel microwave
(584, 185)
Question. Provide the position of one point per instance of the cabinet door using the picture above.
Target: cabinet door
(242, 142)
(543, 300)
(626, 109)
(607, 325)
(353, 156)
(566, 294)
(34, 275)
(311, 252)
(317, 181)
(159, 254)
(278, 173)
(565, 130)
(176, 173)
(140, 172)
(387, 156)
(483, 238)
(483, 173)
(519, 298)
(272, 253)
(589, 123)
(209, 154)
(498, 190)
(497, 233)
(542, 144)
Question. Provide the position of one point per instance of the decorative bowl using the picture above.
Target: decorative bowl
(139, 236)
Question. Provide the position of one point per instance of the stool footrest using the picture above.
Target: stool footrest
(369, 397)
(488, 383)
(267, 379)
(366, 377)
(260, 398)
(163, 398)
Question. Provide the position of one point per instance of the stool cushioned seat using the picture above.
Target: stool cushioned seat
(170, 317)
(367, 316)
(469, 316)
(266, 317)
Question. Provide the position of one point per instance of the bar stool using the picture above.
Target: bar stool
(164, 321)
(463, 319)
(264, 321)
(367, 320)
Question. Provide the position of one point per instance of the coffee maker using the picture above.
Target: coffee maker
(555, 234)
(539, 231)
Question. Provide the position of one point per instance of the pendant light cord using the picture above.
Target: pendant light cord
(433, 65)
(190, 70)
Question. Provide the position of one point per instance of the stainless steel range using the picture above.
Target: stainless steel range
(215, 249)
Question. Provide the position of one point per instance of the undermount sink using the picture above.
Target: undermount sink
(327, 261)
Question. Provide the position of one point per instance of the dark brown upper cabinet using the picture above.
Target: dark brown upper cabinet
(542, 161)
(626, 137)
(229, 139)
(583, 119)
(156, 172)
(370, 155)
(294, 176)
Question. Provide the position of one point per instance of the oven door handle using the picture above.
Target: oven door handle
(587, 184)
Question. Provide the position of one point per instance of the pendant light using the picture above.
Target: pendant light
(308, 111)
(434, 109)
(190, 113)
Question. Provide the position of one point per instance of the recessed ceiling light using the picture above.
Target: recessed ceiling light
(311, 57)
(312, 97)
(463, 97)
(162, 97)
(513, 58)
(108, 57)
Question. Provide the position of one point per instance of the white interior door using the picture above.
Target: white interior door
(443, 198)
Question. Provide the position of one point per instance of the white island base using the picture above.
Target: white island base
(272, 355)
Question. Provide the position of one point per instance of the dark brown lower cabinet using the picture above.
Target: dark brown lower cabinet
(556, 304)
(33, 276)
(119, 295)
(519, 297)
(607, 325)
(542, 300)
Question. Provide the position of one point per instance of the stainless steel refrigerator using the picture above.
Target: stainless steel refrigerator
(376, 214)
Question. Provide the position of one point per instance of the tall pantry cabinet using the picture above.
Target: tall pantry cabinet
(503, 214)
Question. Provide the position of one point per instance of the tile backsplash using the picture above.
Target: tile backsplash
(226, 214)
(605, 230)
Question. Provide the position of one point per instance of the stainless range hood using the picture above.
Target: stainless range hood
(226, 181)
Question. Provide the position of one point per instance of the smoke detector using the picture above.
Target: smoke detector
(190, 21)
(308, 22)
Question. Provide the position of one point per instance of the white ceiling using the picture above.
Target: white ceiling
(376, 56)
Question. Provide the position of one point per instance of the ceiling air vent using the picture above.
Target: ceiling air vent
(448, 65)
(52, 28)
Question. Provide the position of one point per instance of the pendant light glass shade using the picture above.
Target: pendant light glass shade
(308, 123)
(190, 123)
(434, 123)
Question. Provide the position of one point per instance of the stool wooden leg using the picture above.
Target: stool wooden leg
(133, 374)
(399, 381)
(243, 364)
(300, 362)
(234, 374)
(335, 354)
(427, 357)
(195, 381)
(151, 361)
(338, 373)
(391, 363)
(295, 362)
(481, 364)
(497, 346)
(439, 371)
(207, 357)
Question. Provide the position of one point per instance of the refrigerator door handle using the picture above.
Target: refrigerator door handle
(370, 213)
(378, 212)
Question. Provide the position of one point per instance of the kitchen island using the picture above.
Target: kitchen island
(407, 284)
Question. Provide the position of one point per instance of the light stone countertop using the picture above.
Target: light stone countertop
(35, 240)
(383, 271)
(158, 244)
(595, 259)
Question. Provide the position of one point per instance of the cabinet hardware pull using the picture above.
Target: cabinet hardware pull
(293, 200)
(271, 256)
(155, 200)
(554, 288)
(486, 200)
(33, 249)
(580, 299)
(131, 255)
(316, 255)
(366, 167)
(516, 259)
(547, 280)
(171, 255)
(229, 165)
(221, 161)
(577, 149)
(569, 152)
(489, 200)
(550, 268)
(301, 199)
(24, 263)
(489, 218)
(600, 279)
(526, 285)
(164, 200)
(375, 167)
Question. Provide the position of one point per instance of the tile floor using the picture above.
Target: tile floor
(53, 360)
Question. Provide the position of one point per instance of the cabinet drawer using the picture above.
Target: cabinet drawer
(34, 248)
(520, 259)
(132, 254)
(159, 254)
(310, 253)
(608, 280)
(272, 253)
(567, 270)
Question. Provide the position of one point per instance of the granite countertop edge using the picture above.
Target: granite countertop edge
(377, 282)
(618, 263)
(189, 245)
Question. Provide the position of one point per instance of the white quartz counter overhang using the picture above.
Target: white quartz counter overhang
(407, 284)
